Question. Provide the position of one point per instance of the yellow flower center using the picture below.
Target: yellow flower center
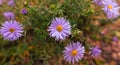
(110, 6)
(74, 52)
(59, 28)
(11, 30)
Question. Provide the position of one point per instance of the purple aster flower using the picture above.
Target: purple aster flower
(95, 52)
(115, 39)
(11, 30)
(111, 8)
(98, 2)
(9, 15)
(24, 11)
(60, 28)
(73, 52)
(11, 3)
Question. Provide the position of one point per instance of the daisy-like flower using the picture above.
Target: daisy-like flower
(60, 28)
(95, 52)
(98, 2)
(11, 30)
(73, 52)
(9, 15)
(111, 8)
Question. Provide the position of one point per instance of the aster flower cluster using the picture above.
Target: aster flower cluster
(75, 52)
(60, 28)
(11, 29)
(111, 8)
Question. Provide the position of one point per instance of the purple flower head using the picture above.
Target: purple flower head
(11, 30)
(9, 15)
(95, 52)
(73, 52)
(60, 28)
(115, 39)
(24, 11)
(11, 3)
(111, 9)
(98, 2)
